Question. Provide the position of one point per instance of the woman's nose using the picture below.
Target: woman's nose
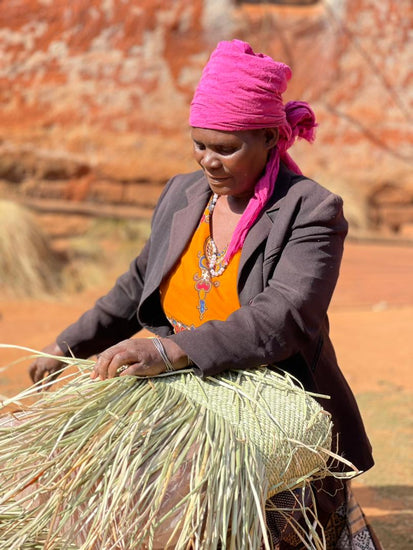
(210, 160)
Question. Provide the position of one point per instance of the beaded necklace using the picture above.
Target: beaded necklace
(211, 250)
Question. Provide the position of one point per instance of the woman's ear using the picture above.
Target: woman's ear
(271, 137)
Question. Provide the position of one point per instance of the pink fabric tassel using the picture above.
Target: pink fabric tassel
(262, 192)
(300, 123)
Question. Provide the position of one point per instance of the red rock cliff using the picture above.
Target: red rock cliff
(95, 96)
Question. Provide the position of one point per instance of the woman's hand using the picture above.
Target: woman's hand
(139, 356)
(44, 366)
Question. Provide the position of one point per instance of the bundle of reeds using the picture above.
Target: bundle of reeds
(28, 265)
(167, 462)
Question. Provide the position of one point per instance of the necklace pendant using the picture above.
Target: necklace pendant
(215, 261)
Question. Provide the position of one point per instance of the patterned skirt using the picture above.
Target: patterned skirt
(340, 519)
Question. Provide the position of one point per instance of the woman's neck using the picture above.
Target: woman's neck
(235, 205)
(226, 215)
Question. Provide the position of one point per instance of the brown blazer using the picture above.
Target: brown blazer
(288, 271)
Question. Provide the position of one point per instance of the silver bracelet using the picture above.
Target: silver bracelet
(160, 348)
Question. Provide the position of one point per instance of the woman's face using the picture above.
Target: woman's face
(233, 161)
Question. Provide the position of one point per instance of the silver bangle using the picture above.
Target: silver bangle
(160, 348)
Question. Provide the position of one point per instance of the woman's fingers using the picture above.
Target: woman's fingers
(121, 359)
(131, 357)
(43, 366)
(142, 370)
(104, 362)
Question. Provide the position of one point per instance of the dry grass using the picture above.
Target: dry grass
(28, 265)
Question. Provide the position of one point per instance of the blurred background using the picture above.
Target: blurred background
(93, 121)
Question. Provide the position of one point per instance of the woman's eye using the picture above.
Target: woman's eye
(226, 150)
(219, 149)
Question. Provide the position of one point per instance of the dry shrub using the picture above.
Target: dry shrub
(28, 265)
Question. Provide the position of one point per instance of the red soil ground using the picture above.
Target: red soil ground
(371, 324)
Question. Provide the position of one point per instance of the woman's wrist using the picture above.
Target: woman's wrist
(162, 352)
(54, 349)
(176, 355)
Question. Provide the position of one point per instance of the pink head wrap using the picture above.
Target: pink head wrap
(241, 90)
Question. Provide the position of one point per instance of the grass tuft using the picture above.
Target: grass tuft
(28, 265)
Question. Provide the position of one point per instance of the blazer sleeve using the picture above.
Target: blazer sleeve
(113, 317)
(279, 321)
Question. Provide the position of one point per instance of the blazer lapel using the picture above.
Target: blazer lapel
(261, 229)
(258, 233)
(185, 221)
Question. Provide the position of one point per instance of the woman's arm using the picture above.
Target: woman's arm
(114, 316)
(112, 319)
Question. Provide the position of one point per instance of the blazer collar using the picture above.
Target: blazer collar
(186, 219)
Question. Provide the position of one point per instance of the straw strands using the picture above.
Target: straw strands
(173, 461)
(28, 266)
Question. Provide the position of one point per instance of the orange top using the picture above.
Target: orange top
(190, 295)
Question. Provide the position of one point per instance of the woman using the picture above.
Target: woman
(240, 268)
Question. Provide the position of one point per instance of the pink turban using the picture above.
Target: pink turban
(242, 90)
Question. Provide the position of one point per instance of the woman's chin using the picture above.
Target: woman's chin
(219, 188)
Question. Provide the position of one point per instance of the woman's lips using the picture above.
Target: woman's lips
(215, 179)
